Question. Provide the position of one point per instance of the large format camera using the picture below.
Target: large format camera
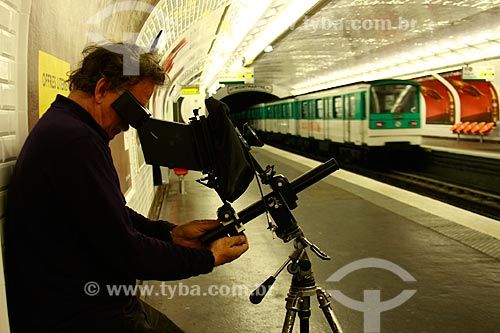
(211, 144)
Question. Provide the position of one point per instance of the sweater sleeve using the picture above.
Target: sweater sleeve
(107, 225)
(156, 229)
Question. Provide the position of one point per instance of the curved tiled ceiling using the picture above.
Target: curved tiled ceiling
(337, 42)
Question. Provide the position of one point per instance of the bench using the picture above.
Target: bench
(473, 128)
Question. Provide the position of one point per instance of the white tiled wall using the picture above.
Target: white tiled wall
(142, 194)
(14, 20)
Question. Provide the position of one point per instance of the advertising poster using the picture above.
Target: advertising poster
(479, 100)
(52, 76)
(439, 101)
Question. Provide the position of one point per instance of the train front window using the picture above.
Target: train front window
(394, 98)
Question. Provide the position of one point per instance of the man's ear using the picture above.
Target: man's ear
(101, 88)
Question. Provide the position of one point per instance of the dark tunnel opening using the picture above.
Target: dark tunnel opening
(240, 101)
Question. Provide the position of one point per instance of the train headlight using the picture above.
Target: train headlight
(397, 123)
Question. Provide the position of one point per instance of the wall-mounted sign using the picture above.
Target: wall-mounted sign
(237, 88)
(190, 91)
(478, 73)
(52, 76)
(240, 75)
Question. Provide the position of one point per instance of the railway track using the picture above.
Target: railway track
(467, 182)
(477, 201)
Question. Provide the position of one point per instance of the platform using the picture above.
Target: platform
(453, 256)
(464, 146)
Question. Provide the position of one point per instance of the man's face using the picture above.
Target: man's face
(113, 124)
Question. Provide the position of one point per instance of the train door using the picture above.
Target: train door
(296, 113)
(276, 118)
(286, 119)
(286, 122)
(268, 118)
(310, 117)
(318, 120)
(304, 119)
(361, 114)
(336, 132)
(349, 116)
(263, 116)
(327, 117)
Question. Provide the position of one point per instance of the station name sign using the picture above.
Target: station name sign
(237, 88)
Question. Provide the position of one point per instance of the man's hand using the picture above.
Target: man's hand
(225, 249)
(189, 234)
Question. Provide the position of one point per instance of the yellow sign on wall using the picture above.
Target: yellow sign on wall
(52, 76)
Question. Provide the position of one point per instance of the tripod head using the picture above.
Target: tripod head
(277, 203)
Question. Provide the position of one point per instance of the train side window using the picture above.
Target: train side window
(338, 107)
(352, 106)
(319, 109)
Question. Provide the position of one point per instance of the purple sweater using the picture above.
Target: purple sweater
(67, 224)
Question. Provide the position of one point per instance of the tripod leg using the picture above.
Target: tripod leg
(325, 301)
(292, 308)
(304, 313)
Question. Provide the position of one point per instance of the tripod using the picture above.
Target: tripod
(302, 287)
(278, 204)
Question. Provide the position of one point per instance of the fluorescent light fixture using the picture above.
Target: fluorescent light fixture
(285, 20)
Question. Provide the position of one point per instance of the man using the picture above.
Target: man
(68, 230)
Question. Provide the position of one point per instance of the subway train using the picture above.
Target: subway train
(350, 121)
(375, 119)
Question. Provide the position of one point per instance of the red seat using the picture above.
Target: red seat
(461, 128)
(454, 127)
(476, 128)
(468, 128)
(487, 128)
(180, 172)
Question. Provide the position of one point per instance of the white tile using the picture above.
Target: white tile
(7, 124)
(9, 17)
(8, 94)
(9, 147)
